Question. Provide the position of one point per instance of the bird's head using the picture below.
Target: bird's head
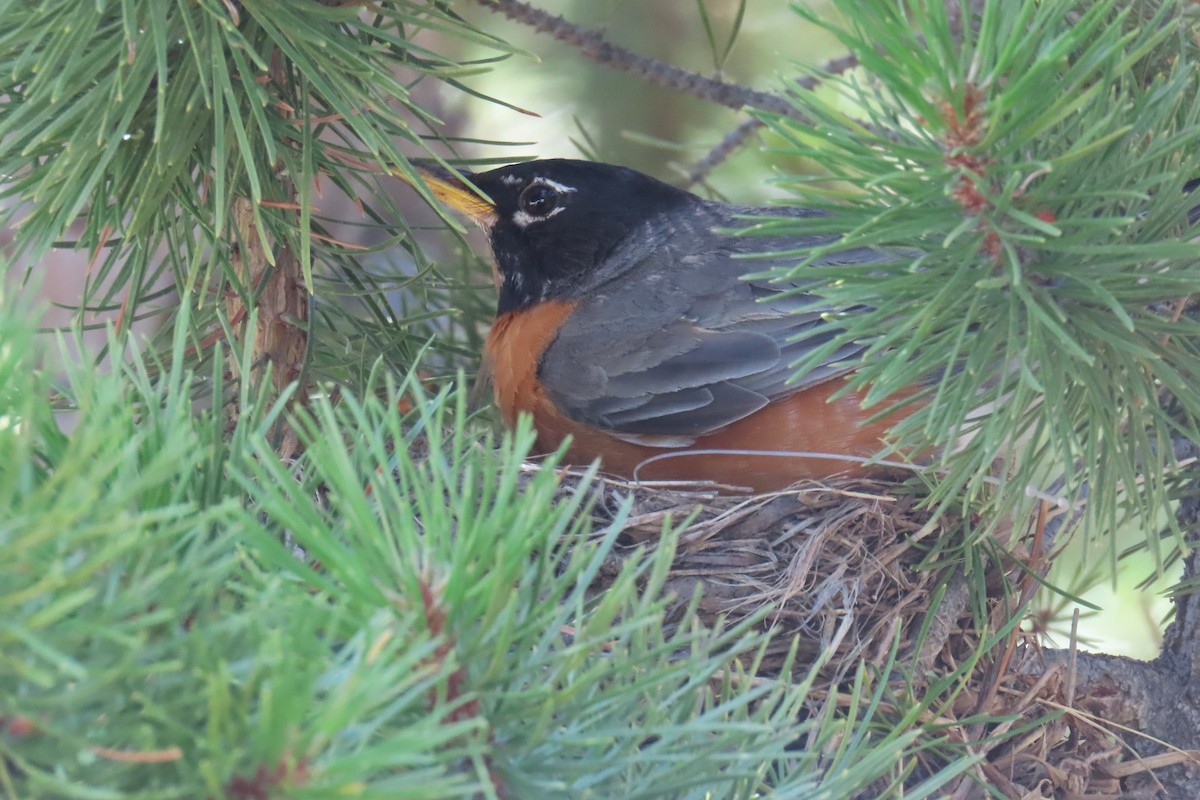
(554, 223)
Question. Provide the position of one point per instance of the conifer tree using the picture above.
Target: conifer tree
(274, 553)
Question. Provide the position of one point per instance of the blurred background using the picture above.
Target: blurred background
(586, 109)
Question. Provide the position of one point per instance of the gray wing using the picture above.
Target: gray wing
(685, 346)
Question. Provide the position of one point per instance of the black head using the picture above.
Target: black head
(554, 223)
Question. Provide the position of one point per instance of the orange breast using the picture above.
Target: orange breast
(514, 347)
(804, 421)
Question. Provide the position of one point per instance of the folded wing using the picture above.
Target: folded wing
(686, 346)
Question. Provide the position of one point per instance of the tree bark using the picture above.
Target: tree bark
(1156, 703)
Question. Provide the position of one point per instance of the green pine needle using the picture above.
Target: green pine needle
(1028, 176)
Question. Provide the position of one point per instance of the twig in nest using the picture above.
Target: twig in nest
(945, 623)
(1038, 566)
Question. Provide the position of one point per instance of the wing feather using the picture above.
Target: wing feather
(673, 343)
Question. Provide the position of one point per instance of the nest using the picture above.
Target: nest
(836, 564)
(846, 570)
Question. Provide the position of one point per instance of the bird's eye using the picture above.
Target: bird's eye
(538, 200)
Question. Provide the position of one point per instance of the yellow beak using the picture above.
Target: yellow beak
(456, 194)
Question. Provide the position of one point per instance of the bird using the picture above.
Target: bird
(627, 327)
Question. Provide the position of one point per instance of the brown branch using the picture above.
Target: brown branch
(595, 47)
(263, 784)
(161, 756)
(270, 280)
(742, 133)
(723, 150)
(834, 66)
(1153, 706)
(435, 623)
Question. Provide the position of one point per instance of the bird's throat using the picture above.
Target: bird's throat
(520, 291)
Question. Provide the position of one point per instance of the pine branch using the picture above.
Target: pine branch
(197, 160)
(188, 614)
(1028, 219)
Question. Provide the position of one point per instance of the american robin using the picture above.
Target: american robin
(625, 323)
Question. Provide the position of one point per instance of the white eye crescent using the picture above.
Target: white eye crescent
(539, 200)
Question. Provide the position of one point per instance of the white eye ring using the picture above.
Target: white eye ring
(540, 200)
